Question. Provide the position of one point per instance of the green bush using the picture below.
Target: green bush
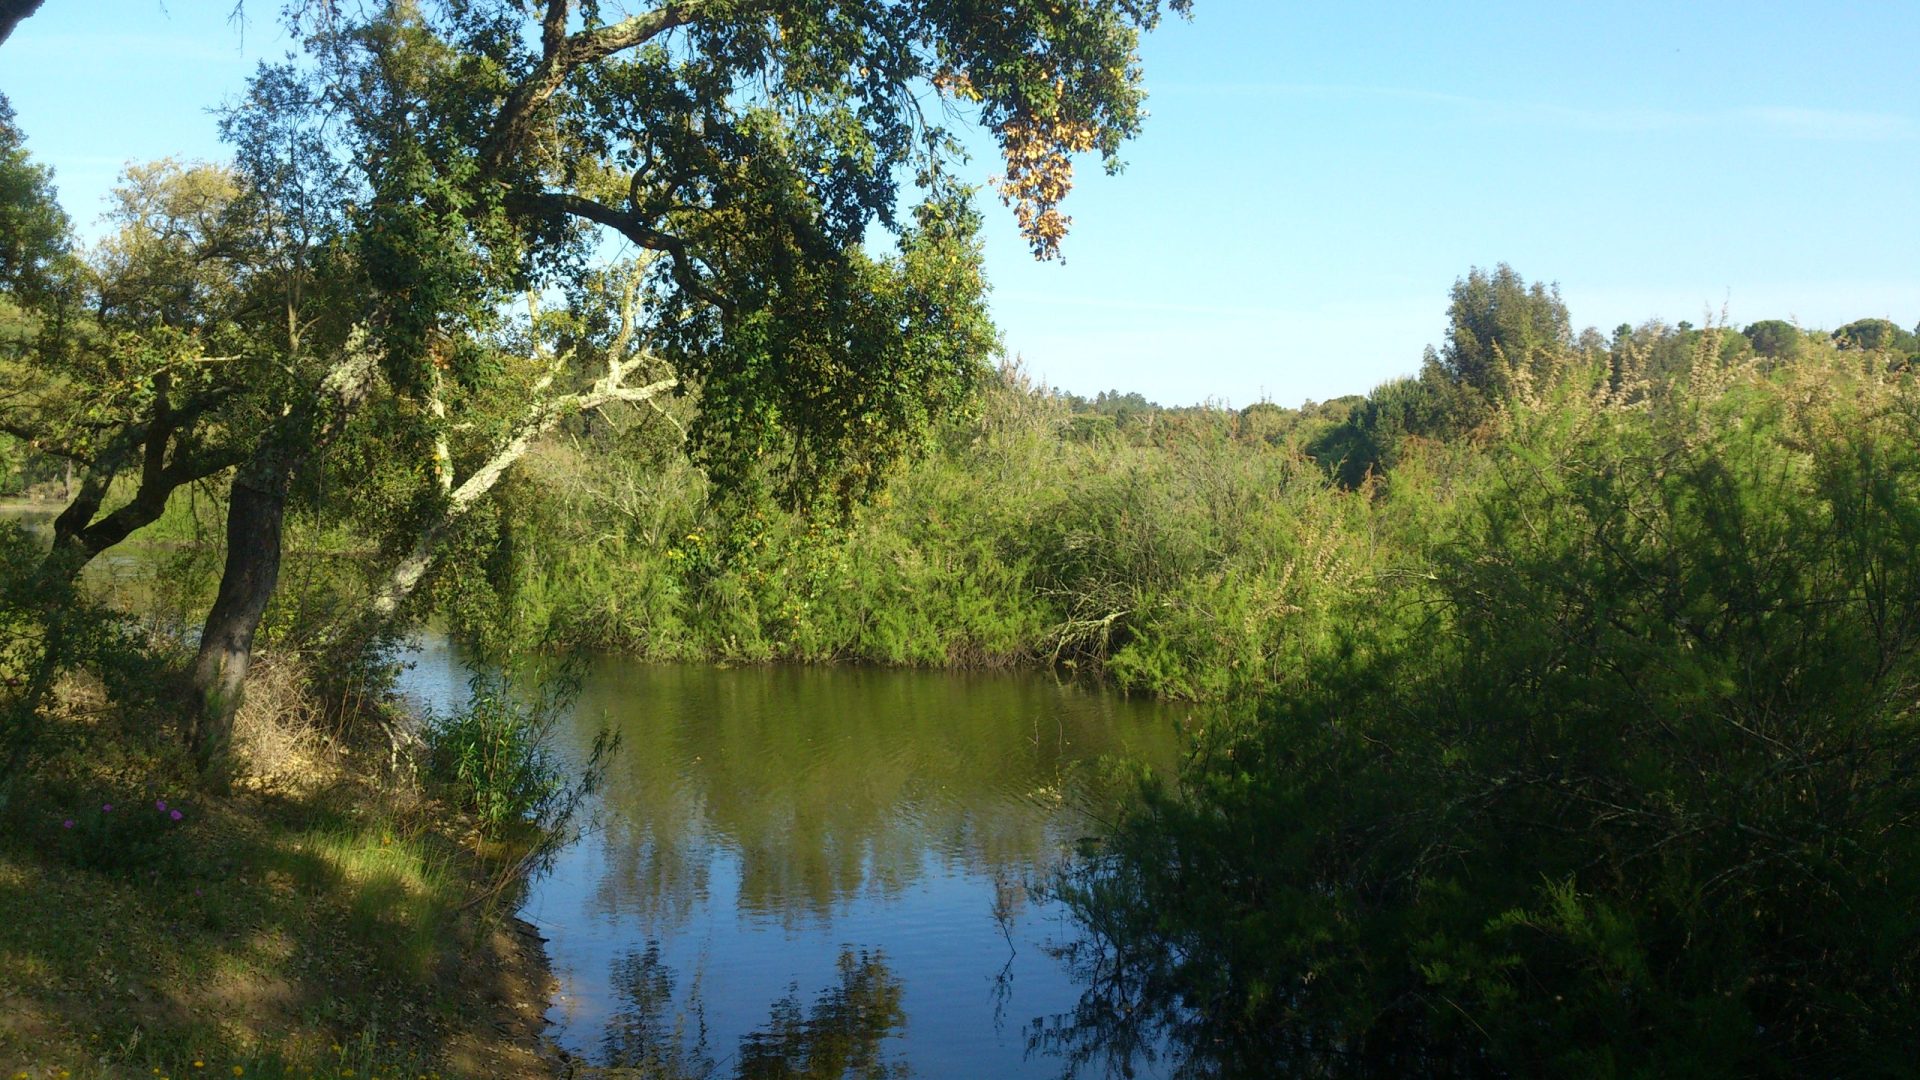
(1613, 775)
(49, 626)
(494, 754)
(118, 837)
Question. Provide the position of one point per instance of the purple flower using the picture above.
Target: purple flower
(175, 815)
(106, 808)
(67, 824)
(160, 804)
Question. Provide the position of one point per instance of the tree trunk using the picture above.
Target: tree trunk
(256, 510)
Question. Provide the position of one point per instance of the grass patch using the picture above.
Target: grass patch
(327, 928)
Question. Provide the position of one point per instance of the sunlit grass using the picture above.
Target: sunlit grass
(403, 893)
(326, 935)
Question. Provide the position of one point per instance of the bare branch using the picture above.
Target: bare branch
(541, 418)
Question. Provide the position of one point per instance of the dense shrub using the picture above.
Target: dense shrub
(1178, 557)
(1613, 776)
(49, 626)
(494, 754)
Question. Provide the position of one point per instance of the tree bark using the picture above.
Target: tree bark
(406, 575)
(543, 414)
(163, 449)
(256, 512)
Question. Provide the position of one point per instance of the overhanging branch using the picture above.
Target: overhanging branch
(541, 418)
(631, 227)
(13, 13)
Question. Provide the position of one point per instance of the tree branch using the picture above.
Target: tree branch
(151, 500)
(541, 418)
(12, 13)
(560, 55)
(39, 441)
(626, 224)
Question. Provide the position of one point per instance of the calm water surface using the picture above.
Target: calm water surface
(820, 871)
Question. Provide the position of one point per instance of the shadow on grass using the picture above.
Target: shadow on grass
(328, 932)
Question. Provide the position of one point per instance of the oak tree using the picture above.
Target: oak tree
(791, 163)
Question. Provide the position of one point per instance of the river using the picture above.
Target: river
(810, 872)
(821, 872)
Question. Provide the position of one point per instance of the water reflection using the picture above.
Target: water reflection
(770, 830)
(652, 1031)
(827, 785)
(840, 1035)
(1126, 1020)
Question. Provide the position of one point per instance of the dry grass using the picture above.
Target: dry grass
(279, 742)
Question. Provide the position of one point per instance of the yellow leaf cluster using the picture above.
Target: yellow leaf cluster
(1039, 175)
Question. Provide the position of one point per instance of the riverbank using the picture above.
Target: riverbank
(324, 915)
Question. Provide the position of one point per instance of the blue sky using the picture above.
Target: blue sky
(1315, 176)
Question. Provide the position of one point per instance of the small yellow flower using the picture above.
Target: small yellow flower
(237, 1070)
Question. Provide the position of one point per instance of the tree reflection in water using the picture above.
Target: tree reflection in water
(838, 1037)
(646, 1034)
(1125, 1018)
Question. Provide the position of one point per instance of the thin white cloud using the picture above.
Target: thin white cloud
(1801, 123)
(1782, 121)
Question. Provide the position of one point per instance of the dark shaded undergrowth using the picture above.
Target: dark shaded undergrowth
(1611, 774)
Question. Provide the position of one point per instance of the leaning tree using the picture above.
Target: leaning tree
(789, 164)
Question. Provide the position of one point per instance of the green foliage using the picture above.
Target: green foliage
(1777, 339)
(1023, 538)
(758, 155)
(33, 228)
(1880, 335)
(1368, 441)
(1498, 325)
(48, 627)
(495, 753)
(103, 835)
(1610, 775)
